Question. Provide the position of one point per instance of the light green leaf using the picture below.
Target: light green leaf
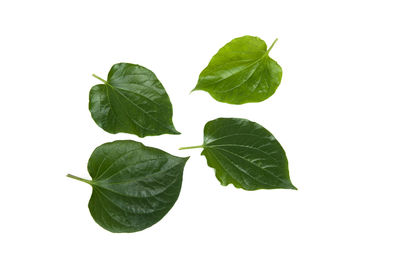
(134, 186)
(245, 154)
(241, 72)
(131, 100)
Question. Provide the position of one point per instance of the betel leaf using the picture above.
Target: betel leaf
(131, 100)
(245, 154)
(134, 186)
(241, 72)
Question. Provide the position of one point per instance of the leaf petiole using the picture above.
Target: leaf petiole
(80, 179)
(191, 147)
(272, 45)
(105, 81)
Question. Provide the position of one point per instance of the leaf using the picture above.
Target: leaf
(245, 154)
(132, 100)
(241, 72)
(134, 186)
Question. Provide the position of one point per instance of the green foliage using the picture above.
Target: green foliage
(245, 154)
(134, 186)
(241, 72)
(132, 100)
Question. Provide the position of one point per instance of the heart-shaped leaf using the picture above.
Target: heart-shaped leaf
(134, 186)
(131, 100)
(241, 72)
(245, 154)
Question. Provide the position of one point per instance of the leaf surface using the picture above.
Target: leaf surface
(245, 154)
(132, 100)
(134, 186)
(241, 72)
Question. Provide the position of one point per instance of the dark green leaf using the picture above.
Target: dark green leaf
(132, 100)
(134, 186)
(245, 154)
(241, 72)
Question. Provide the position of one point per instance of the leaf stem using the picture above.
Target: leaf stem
(272, 45)
(80, 179)
(105, 81)
(191, 147)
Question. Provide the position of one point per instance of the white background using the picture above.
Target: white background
(336, 113)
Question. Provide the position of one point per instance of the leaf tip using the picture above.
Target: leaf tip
(175, 132)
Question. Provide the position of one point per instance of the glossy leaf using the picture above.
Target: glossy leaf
(241, 72)
(245, 154)
(132, 100)
(134, 186)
